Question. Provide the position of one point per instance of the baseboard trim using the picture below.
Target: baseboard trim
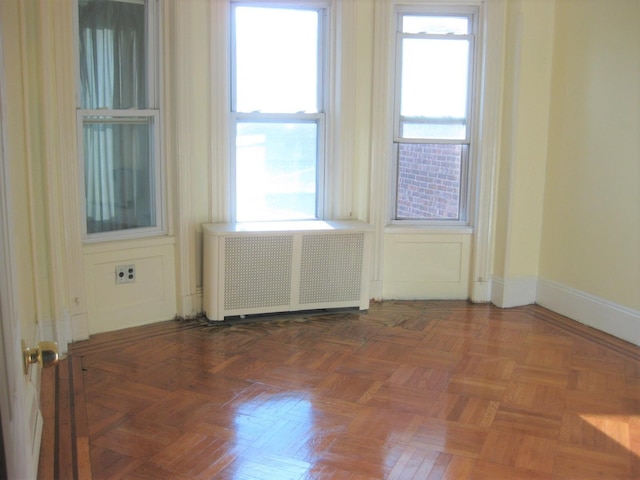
(191, 305)
(80, 327)
(375, 290)
(58, 330)
(481, 292)
(603, 315)
(513, 292)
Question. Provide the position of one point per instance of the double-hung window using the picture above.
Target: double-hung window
(432, 127)
(277, 111)
(118, 118)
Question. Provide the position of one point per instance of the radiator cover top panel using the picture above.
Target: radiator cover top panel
(285, 266)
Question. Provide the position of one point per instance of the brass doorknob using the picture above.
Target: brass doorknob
(44, 354)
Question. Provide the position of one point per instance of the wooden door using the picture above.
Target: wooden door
(19, 397)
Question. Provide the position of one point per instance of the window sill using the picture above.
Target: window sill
(112, 245)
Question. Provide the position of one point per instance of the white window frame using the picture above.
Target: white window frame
(152, 112)
(468, 160)
(319, 117)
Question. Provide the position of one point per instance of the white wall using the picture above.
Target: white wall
(590, 252)
(525, 124)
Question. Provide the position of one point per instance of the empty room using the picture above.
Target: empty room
(320, 239)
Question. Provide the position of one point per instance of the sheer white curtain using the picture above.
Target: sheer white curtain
(113, 77)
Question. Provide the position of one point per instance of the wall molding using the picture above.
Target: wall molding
(480, 291)
(80, 327)
(488, 139)
(513, 292)
(596, 312)
(192, 304)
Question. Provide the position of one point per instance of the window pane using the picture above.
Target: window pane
(435, 24)
(433, 129)
(276, 171)
(429, 181)
(434, 84)
(119, 176)
(276, 60)
(112, 54)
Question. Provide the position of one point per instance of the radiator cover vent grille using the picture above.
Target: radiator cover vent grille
(331, 268)
(257, 271)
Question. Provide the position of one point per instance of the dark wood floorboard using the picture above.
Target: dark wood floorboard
(407, 390)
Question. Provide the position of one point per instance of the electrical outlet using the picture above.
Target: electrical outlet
(125, 273)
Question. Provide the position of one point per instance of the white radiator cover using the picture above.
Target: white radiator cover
(252, 268)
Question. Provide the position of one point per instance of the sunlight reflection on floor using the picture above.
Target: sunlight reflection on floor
(278, 430)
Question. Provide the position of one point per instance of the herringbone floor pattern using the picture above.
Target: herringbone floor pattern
(408, 390)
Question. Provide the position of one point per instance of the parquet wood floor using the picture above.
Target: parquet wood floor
(407, 390)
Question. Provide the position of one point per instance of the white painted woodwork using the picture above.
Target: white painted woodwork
(150, 298)
(285, 266)
(426, 266)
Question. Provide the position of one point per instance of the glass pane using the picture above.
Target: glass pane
(435, 81)
(112, 54)
(276, 60)
(276, 171)
(119, 174)
(429, 177)
(433, 129)
(436, 25)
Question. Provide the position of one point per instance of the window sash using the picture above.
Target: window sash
(409, 29)
(119, 118)
(151, 52)
(462, 218)
(403, 119)
(462, 213)
(300, 118)
(106, 116)
(318, 116)
(321, 10)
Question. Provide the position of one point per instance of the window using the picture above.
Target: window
(277, 111)
(118, 117)
(434, 79)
